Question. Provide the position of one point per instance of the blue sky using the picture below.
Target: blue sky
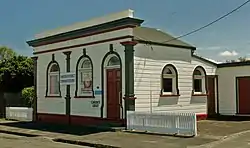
(227, 39)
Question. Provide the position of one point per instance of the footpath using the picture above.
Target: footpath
(210, 134)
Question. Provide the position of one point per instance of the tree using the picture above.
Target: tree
(240, 59)
(16, 72)
(6, 53)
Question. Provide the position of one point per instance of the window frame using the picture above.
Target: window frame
(48, 84)
(201, 77)
(79, 71)
(174, 77)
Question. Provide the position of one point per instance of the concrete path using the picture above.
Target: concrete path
(237, 140)
(12, 141)
(211, 134)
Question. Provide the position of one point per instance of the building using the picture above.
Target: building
(95, 71)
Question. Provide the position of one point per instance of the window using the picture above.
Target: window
(54, 77)
(85, 82)
(169, 81)
(114, 61)
(199, 81)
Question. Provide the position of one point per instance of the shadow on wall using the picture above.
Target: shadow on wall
(168, 101)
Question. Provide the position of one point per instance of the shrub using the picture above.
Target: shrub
(28, 95)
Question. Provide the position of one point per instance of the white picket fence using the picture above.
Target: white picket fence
(164, 123)
(19, 113)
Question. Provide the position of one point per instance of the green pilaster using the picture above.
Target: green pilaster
(67, 97)
(129, 75)
(34, 103)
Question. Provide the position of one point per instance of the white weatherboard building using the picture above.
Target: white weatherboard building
(95, 71)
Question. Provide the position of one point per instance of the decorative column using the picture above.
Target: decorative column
(34, 103)
(67, 97)
(129, 96)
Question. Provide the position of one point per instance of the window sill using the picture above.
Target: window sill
(162, 95)
(53, 96)
(199, 94)
(84, 97)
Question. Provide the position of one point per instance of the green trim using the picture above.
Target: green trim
(163, 44)
(84, 31)
(67, 97)
(129, 77)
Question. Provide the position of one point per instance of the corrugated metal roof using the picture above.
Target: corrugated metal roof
(155, 35)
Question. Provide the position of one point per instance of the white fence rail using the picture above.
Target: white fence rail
(163, 123)
(19, 113)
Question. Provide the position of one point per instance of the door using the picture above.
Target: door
(113, 94)
(243, 95)
(211, 95)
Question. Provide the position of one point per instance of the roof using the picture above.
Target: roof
(155, 36)
(206, 60)
(85, 31)
(234, 64)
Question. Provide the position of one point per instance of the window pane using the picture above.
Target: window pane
(86, 64)
(54, 84)
(86, 83)
(167, 85)
(54, 68)
(167, 71)
(114, 61)
(198, 85)
(197, 72)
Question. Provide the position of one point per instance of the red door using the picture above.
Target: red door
(211, 95)
(244, 95)
(113, 93)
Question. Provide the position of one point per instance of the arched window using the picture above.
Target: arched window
(54, 80)
(85, 82)
(199, 81)
(114, 61)
(169, 80)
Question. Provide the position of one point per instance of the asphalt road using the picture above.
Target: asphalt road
(12, 141)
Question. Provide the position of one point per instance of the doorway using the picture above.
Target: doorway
(243, 98)
(211, 86)
(113, 93)
(113, 88)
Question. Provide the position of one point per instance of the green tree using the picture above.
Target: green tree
(16, 72)
(6, 53)
(240, 59)
(28, 95)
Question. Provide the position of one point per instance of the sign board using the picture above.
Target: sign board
(67, 78)
(98, 92)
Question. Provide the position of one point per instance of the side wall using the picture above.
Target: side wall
(79, 106)
(149, 62)
(227, 87)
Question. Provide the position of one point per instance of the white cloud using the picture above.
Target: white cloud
(212, 48)
(228, 53)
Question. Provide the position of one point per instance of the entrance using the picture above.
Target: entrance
(211, 95)
(113, 93)
(243, 95)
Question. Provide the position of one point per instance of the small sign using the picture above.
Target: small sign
(67, 78)
(98, 92)
(95, 103)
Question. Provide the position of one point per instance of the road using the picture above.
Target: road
(238, 140)
(12, 141)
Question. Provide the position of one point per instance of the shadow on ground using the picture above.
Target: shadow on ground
(56, 128)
